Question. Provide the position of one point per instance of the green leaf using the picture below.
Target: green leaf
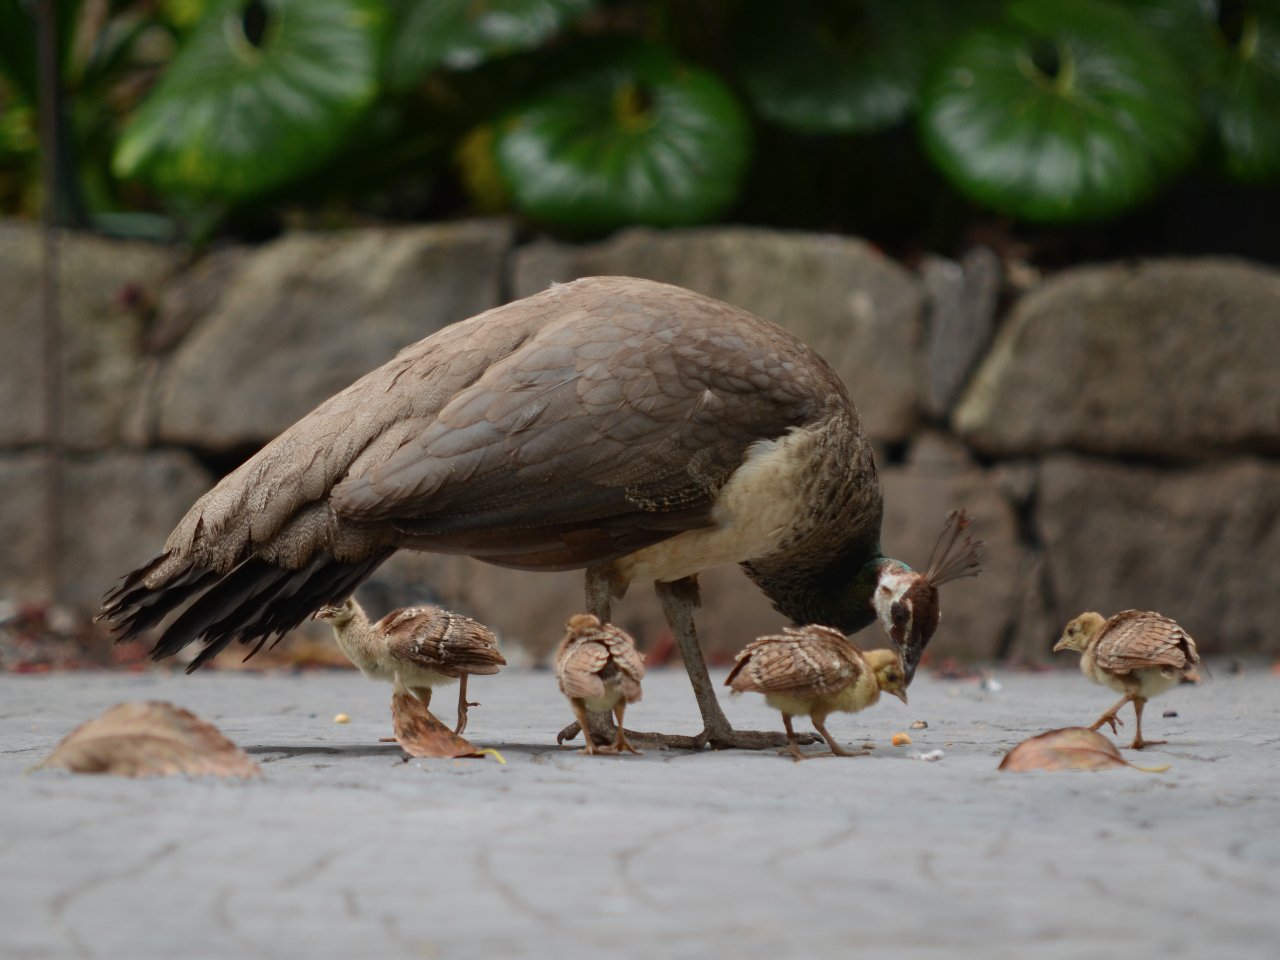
(1234, 52)
(841, 66)
(632, 136)
(234, 117)
(1070, 110)
(461, 34)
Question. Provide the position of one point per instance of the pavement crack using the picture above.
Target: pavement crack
(624, 858)
(508, 893)
(61, 901)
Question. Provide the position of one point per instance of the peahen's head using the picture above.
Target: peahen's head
(906, 602)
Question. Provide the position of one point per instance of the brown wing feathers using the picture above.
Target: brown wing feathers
(805, 661)
(555, 432)
(1134, 639)
(438, 640)
(592, 655)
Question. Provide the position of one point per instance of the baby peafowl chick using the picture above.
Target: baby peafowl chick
(427, 646)
(1138, 653)
(599, 670)
(814, 671)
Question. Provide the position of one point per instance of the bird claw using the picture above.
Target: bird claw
(1112, 720)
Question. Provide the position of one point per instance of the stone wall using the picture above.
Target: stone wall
(1116, 441)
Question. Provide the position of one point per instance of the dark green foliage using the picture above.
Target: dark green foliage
(1233, 50)
(903, 119)
(630, 136)
(841, 66)
(262, 93)
(461, 34)
(1069, 110)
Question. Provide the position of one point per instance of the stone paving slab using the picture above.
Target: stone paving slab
(342, 850)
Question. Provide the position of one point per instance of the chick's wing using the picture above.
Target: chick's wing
(1135, 639)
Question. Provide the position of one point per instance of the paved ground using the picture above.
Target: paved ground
(344, 851)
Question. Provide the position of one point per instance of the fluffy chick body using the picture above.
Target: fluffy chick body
(425, 646)
(1138, 653)
(599, 670)
(815, 671)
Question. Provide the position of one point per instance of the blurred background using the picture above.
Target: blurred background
(1037, 239)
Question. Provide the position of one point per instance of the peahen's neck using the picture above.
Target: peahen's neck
(827, 571)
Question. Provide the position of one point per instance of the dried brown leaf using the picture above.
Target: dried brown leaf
(151, 739)
(1071, 748)
(422, 735)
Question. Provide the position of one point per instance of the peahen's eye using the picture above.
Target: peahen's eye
(899, 614)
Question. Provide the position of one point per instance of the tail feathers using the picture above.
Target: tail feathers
(251, 602)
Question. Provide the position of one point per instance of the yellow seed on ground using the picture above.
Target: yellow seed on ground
(901, 739)
(342, 718)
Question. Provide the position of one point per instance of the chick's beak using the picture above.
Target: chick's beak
(901, 695)
(1059, 646)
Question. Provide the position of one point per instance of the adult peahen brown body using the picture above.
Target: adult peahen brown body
(639, 430)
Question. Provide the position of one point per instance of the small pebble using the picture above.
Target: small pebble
(1171, 713)
(990, 683)
(900, 739)
(342, 718)
(931, 756)
(868, 745)
(920, 725)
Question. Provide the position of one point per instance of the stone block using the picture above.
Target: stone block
(102, 286)
(306, 315)
(1168, 358)
(1199, 544)
(118, 510)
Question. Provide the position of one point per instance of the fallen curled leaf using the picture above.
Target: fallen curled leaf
(1071, 748)
(422, 735)
(151, 739)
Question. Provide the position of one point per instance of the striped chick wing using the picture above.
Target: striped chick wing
(1134, 639)
(578, 664)
(443, 642)
(805, 662)
(595, 655)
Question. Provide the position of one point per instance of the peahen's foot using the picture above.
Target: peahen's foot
(603, 730)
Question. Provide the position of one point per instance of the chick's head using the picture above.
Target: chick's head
(1080, 631)
(338, 614)
(890, 676)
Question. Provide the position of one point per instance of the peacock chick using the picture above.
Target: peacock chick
(1138, 653)
(600, 671)
(815, 671)
(427, 646)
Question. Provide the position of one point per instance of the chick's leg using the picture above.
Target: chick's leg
(1138, 742)
(836, 749)
(462, 705)
(620, 742)
(1110, 716)
(792, 747)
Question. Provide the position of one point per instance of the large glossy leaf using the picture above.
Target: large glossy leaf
(1234, 51)
(631, 136)
(460, 34)
(254, 101)
(840, 66)
(1069, 110)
